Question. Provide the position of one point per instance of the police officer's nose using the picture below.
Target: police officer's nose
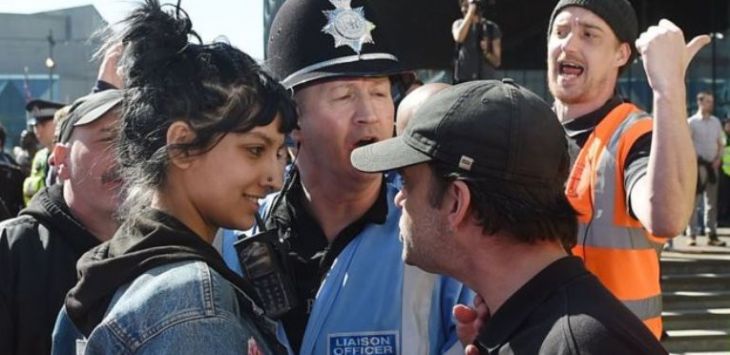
(366, 110)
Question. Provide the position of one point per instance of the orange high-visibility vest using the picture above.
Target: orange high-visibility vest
(614, 246)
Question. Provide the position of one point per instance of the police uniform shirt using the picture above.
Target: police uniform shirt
(311, 254)
(564, 309)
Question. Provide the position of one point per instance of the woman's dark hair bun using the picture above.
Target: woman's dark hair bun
(155, 37)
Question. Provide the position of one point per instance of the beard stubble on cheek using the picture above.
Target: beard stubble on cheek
(110, 175)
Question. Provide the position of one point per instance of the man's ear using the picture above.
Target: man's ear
(458, 199)
(179, 133)
(623, 54)
(59, 159)
(296, 133)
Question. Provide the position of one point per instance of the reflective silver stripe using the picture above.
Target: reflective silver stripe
(45, 112)
(626, 124)
(601, 231)
(340, 60)
(646, 308)
(604, 234)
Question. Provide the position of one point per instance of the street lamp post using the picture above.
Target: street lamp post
(715, 37)
(50, 64)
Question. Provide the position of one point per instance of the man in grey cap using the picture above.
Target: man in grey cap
(483, 165)
(39, 248)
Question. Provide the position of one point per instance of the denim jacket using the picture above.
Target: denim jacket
(180, 308)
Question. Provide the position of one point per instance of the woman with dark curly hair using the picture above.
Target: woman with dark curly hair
(202, 139)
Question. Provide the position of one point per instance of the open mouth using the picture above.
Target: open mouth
(570, 69)
(364, 142)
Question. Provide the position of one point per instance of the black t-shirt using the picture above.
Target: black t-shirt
(635, 166)
(564, 309)
(311, 255)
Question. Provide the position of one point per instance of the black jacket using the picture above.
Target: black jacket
(38, 253)
(11, 190)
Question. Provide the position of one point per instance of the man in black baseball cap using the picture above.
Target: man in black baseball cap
(487, 128)
(484, 165)
(341, 224)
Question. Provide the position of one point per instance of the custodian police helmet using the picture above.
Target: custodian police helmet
(41, 110)
(317, 39)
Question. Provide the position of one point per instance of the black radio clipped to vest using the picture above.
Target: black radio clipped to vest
(262, 259)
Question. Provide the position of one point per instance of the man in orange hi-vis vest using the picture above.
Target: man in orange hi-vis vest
(633, 177)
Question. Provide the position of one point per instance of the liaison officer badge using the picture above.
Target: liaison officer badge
(348, 26)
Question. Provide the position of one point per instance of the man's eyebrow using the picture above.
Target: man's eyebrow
(590, 26)
(581, 23)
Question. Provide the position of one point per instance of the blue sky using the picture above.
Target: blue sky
(241, 21)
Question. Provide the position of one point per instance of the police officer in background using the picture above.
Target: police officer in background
(340, 225)
(478, 42)
(41, 120)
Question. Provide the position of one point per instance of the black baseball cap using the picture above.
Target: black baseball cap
(490, 128)
(88, 109)
(41, 110)
(311, 40)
